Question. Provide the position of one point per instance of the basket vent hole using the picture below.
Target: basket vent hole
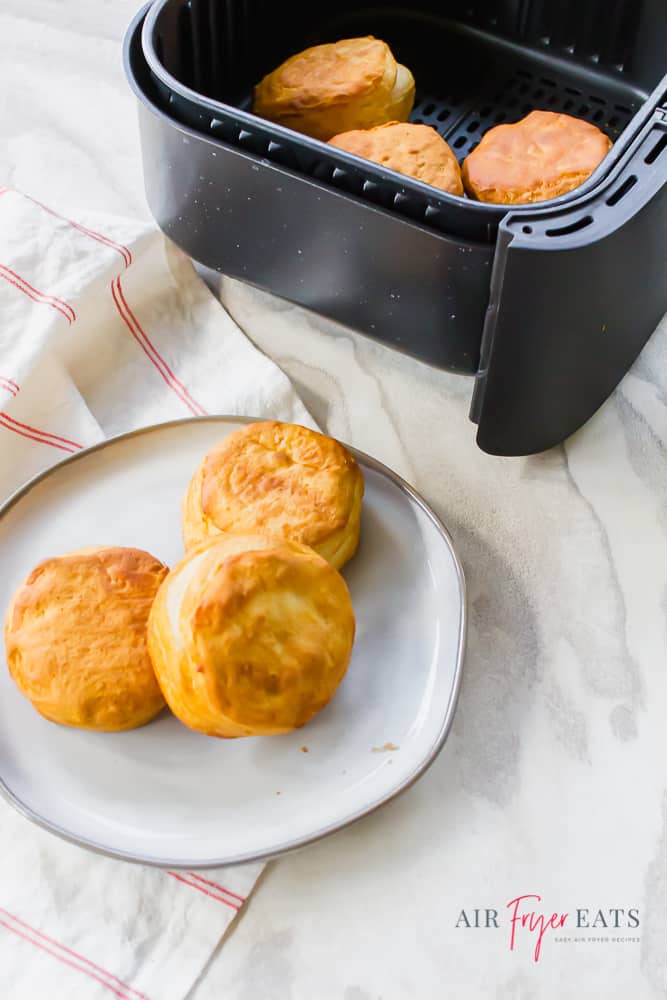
(657, 149)
(473, 126)
(621, 191)
(573, 227)
(527, 230)
(461, 141)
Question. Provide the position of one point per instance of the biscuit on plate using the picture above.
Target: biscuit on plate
(250, 635)
(353, 83)
(282, 480)
(75, 635)
(544, 155)
(416, 150)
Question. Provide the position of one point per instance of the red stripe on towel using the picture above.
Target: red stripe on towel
(61, 953)
(118, 247)
(9, 385)
(206, 892)
(150, 351)
(214, 885)
(43, 437)
(24, 286)
(45, 434)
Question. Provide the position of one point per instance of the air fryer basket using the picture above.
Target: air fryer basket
(547, 306)
(471, 75)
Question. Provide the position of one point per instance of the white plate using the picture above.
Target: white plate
(167, 796)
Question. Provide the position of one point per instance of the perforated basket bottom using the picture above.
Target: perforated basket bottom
(463, 121)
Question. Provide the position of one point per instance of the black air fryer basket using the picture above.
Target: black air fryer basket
(546, 305)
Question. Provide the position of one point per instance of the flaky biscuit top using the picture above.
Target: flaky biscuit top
(75, 635)
(280, 479)
(542, 156)
(250, 635)
(416, 150)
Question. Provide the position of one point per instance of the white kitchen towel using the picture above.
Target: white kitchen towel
(104, 327)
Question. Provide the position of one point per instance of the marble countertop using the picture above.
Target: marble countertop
(553, 781)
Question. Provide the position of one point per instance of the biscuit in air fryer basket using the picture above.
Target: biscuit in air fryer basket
(250, 635)
(75, 635)
(282, 480)
(416, 150)
(542, 156)
(332, 88)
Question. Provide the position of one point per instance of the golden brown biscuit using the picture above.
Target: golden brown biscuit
(354, 83)
(416, 150)
(250, 635)
(75, 635)
(282, 480)
(542, 156)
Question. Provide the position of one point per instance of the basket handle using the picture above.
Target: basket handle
(575, 295)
